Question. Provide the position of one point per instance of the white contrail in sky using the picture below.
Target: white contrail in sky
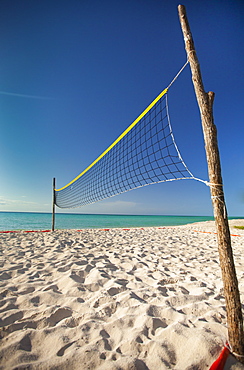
(25, 96)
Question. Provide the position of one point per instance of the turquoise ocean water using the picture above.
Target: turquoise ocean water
(43, 221)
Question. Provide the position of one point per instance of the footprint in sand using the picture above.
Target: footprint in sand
(163, 291)
(16, 267)
(81, 263)
(25, 344)
(123, 282)
(58, 315)
(64, 268)
(8, 305)
(157, 323)
(52, 287)
(10, 319)
(22, 270)
(27, 291)
(5, 276)
(60, 353)
(114, 291)
(77, 278)
(29, 324)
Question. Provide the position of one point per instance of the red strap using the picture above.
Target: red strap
(220, 362)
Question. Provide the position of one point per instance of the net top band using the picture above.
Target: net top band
(118, 139)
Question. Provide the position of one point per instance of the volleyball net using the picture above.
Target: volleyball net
(145, 153)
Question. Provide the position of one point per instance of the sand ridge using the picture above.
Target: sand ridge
(114, 299)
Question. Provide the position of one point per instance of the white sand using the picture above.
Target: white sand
(117, 299)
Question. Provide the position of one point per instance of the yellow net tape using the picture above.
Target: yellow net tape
(118, 139)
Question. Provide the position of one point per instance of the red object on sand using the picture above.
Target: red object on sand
(37, 231)
(220, 362)
(25, 231)
(209, 232)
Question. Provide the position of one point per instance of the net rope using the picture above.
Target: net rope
(145, 153)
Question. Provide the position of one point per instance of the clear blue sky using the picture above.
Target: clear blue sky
(74, 74)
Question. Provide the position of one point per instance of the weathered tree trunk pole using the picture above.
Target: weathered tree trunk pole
(53, 214)
(205, 102)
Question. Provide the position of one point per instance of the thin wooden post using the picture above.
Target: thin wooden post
(53, 215)
(205, 102)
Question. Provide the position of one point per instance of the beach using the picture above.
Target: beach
(110, 299)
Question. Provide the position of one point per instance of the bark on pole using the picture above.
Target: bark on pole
(205, 102)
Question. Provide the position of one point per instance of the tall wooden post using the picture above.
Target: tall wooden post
(205, 102)
(53, 215)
